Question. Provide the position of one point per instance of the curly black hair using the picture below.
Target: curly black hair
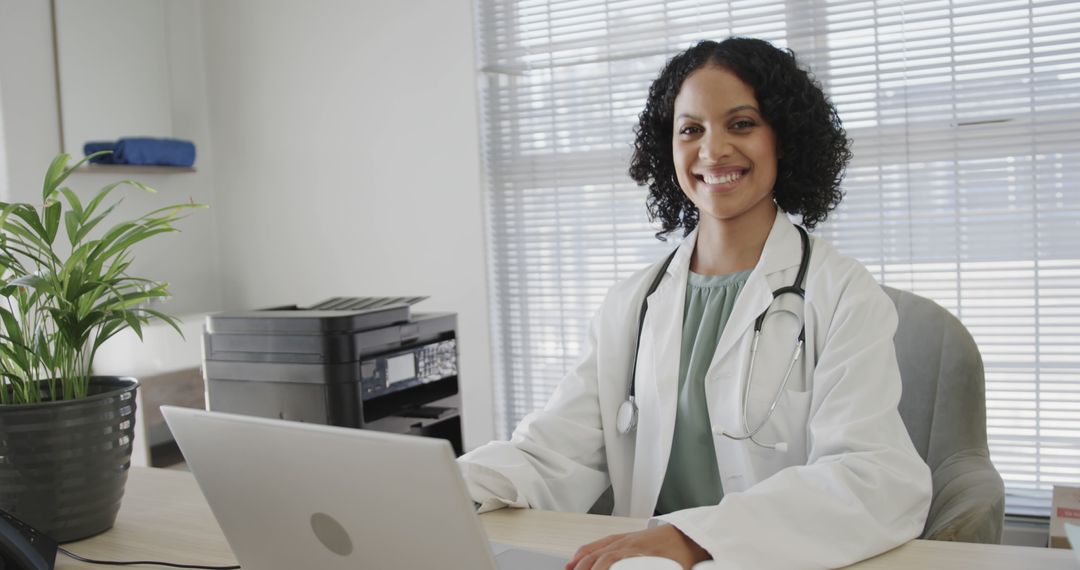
(811, 142)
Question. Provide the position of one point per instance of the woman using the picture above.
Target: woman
(816, 469)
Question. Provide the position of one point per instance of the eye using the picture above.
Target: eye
(689, 130)
(743, 125)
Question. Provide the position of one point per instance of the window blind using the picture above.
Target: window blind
(4, 192)
(963, 188)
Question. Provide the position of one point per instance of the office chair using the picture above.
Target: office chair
(944, 408)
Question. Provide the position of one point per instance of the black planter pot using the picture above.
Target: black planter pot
(63, 465)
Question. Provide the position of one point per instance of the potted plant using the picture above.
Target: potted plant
(65, 436)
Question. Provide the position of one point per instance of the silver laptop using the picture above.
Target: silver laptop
(290, 495)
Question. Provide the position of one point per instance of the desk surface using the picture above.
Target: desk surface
(164, 517)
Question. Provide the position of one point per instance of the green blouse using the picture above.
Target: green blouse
(692, 479)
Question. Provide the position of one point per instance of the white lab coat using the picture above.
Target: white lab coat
(850, 484)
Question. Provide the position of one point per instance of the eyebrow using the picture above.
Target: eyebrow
(731, 111)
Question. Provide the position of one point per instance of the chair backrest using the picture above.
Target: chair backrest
(944, 409)
(944, 398)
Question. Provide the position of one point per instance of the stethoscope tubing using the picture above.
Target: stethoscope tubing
(749, 434)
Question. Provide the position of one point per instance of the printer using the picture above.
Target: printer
(359, 362)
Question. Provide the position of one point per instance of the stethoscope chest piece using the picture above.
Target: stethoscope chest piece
(626, 419)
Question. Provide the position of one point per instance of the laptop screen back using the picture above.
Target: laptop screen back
(289, 495)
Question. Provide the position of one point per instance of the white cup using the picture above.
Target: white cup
(646, 563)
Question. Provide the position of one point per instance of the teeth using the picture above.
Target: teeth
(725, 179)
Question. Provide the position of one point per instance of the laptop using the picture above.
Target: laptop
(291, 495)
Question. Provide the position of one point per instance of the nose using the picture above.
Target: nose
(714, 146)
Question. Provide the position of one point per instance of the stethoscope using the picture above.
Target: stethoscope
(626, 420)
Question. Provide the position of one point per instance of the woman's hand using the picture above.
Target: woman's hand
(664, 540)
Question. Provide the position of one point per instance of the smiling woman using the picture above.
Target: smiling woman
(964, 187)
(707, 419)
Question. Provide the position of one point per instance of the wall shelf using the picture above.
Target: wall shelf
(134, 168)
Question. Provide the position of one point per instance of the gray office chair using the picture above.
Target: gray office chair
(944, 408)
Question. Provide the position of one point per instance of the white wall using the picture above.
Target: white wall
(92, 107)
(187, 260)
(347, 161)
(338, 150)
(31, 124)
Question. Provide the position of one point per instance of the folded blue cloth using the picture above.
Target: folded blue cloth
(159, 152)
(98, 146)
(143, 151)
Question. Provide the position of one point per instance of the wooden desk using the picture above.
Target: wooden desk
(164, 517)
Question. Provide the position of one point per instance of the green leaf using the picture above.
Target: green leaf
(106, 332)
(7, 211)
(113, 234)
(174, 210)
(69, 332)
(18, 235)
(17, 382)
(29, 251)
(73, 201)
(11, 325)
(86, 290)
(77, 259)
(122, 301)
(117, 269)
(94, 155)
(80, 329)
(29, 215)
(133, 322)
(71, 226)
(31, 299)
(97, 199)
(72, 283)
(31, 281)
(52, 221)
(87, 226)
(8, 262)
(168, 319)
(135, 237)
(141, 186)
(41, 349)
(54, 175)
(54, 180)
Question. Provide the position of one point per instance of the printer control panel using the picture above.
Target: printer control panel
(418, 365)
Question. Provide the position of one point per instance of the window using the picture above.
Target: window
(4, 191)
(964, 187)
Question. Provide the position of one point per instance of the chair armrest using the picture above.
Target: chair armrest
(969, 500)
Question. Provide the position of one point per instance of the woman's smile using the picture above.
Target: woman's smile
(721, 179)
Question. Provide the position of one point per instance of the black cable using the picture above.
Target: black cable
(142, 562)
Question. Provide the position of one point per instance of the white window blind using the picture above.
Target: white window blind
(4, 192)
(964, 187)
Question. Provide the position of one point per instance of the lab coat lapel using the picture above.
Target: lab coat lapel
(782, 250)
(658, 381)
